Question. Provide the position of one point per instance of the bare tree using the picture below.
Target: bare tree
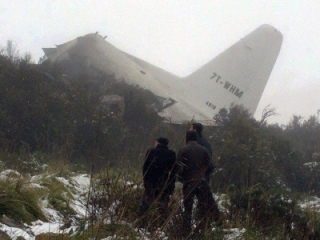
(10, 51)
(266, 113)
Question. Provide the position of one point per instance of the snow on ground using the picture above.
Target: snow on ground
(39, 227)
(234, 233)
(311, 164)
(312, 204)
(9, 174)
(78, 186)
(51, 214)
(14, 233)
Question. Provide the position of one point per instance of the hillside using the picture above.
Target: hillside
(56, 132)
(56, 203)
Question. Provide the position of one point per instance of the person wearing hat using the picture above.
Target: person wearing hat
(158, 177)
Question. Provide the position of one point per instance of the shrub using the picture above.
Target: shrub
(19, 201)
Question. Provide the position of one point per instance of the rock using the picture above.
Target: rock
(11, 222)
(20, 238)
(4, 235)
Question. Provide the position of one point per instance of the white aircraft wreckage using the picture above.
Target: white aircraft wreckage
(236, 76)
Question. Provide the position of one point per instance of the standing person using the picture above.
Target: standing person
(158, 177)
(195, 164)
(201, 140)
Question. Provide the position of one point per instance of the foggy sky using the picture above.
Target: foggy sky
(182, 35)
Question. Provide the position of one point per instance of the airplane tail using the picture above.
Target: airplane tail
(238, 75)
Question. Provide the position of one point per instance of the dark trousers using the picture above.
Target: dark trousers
(155, 197)
(207, 207)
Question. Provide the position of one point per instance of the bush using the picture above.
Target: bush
(19, 201)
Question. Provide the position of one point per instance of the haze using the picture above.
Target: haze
(180, 36)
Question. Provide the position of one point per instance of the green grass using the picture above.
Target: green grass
(19, 201)
(59, 197)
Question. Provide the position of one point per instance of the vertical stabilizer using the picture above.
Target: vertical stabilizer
(238, 75)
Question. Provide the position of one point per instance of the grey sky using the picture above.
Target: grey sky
(182, 35)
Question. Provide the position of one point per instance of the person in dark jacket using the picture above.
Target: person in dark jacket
(195, 165)
(201, 140)
(158, 177)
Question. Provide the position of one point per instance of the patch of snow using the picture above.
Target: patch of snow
(311, 204)
(36, 185)
(81, 183)
(63, 180)
(78, 186)
(234, 233)
(14, 233)
(39, 227)
(311, 164)
(112, 209)
(9, 173)
(79, 207)
(221, 200)
(51, 214)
